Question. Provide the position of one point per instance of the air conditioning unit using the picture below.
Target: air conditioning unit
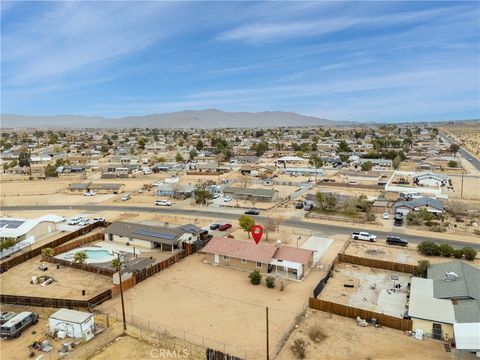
(450, 276)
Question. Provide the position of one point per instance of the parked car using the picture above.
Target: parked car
(253, 211)
(90, 193)
(74, 221)
(308, 207)
(163, 203)
(224, 227)
(125, 197)
(364, 236)
(395, 240)
(13, 328)
(98, 219)
(398, 220)
(214, 226)
(385, 216)
(299, 205)
(216, 195)
(84, 222)
(5, 316)
(227, 198)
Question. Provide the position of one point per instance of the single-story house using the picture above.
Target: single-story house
(106, 188)
(266, 195)
(153, 236)
(79, 187)
(75, 324)
(446, 305)
(386, 163)
(431, 204)
(245, 159)
(304, 171)
(430, 179)
(174, 190)
(282, 261)
(32, 229)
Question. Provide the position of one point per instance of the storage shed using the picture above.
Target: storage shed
(75, 324)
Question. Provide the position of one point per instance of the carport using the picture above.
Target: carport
(287, 268)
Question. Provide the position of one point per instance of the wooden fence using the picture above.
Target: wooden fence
(152, 270)
(52, 244)
(85, 267)
(378, 264)
(54, 302)
(77, 243)
(351, 312)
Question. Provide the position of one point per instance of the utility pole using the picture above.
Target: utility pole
(121, 293)
(461, 193)
(268, 347)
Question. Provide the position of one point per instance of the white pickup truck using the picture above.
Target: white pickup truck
(364, 236)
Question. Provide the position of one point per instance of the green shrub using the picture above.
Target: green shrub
(299, 347)
(255, 277)
(446, 250)
(423, 266)
(428, 248)
(438, 228)
(47, 252)
(469, 253)
(7, 243)
(458, 253)
(316, 333)
(270, 281)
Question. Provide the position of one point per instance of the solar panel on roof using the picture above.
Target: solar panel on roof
(155, 234)
(11, 224)
(190, 227)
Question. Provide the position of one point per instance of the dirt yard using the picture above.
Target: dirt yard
(345, 341)
(68, 284)
(369, 288)
(217, 303)
(406, 255)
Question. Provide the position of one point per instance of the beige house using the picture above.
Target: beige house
(281, 261)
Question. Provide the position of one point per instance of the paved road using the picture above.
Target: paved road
(324, 230)
(470, 158)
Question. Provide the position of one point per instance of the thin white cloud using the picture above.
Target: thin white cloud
(260, 32)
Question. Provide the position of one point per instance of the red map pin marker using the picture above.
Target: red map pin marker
(257, 232)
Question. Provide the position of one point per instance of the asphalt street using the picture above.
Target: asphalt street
(324, 230)
(470, 158)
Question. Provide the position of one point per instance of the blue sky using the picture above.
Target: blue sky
(365, 61)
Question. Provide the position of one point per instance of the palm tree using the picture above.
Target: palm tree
(48, 252)
(80, 257)
(116, 263)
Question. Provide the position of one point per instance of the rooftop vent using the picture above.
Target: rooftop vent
(450, 276)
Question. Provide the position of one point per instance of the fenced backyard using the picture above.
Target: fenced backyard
(378, 264)
(8, 264)
(351, 312)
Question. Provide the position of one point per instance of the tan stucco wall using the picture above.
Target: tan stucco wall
(237, 264)
(427, 326)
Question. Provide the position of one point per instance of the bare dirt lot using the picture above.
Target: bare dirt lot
(217, 303)
(370, 289)
(346, 341)
(405, 255)
(68, 284)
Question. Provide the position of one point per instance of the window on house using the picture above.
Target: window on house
(226, 258)
(243, 261)
(259, 264)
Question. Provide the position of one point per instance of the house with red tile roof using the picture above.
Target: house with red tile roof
(282, 261)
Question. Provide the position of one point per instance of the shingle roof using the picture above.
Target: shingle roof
(467, 284)
(249, 191)
(157, 234)
(240, 249)
(302, 256)
(423, 201)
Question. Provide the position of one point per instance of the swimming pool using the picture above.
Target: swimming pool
(94, 255)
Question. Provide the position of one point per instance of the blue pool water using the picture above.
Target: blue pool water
(97, 254)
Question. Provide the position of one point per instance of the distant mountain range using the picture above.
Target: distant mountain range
(211, 118)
